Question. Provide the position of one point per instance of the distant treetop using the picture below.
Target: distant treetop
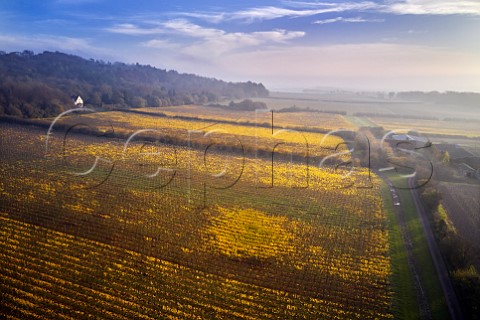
(448, 97)
(45, 84)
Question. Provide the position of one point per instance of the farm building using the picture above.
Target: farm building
(406, 140)
(78, 102)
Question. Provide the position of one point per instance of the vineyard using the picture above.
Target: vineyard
(251, 136)
(171, 230)
(311, 120)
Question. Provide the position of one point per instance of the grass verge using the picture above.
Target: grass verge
(421, 251)
(404, 301)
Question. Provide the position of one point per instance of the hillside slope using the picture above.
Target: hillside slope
(42, 85)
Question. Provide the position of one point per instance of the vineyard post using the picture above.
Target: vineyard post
(280, 132)
(225, 168)
(338, 154)
(189, 165)
(257, 112)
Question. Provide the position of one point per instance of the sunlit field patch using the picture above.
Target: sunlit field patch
(249, 233)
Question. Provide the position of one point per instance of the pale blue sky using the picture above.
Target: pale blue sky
(376, 45)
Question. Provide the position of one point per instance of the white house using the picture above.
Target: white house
(79, 102)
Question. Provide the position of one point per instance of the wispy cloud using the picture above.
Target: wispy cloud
(134, 30)
(399, 7)
(203, 41)
(269, 13)
(178, 26)
(347, 20)
(160, 44)
(412, 31)
(186, 28)
(419, 7)
(308, 4)
(300, 9)
(434, 7)
(206, 16)
(228, 42)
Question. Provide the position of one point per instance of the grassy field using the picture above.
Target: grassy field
(361, 121)
(212, 235)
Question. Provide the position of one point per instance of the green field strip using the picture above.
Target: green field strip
(421, 252)
(361, 121)
(405, 303)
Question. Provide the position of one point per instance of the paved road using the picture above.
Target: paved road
(420, 293)
(448, 291)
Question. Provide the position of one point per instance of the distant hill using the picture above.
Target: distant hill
(43, 85)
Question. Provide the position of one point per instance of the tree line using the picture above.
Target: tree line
(45, 84)
(471, 99)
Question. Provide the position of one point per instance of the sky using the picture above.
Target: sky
(287, 45)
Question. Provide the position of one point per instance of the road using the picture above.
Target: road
(442, 272)
(420, 293)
